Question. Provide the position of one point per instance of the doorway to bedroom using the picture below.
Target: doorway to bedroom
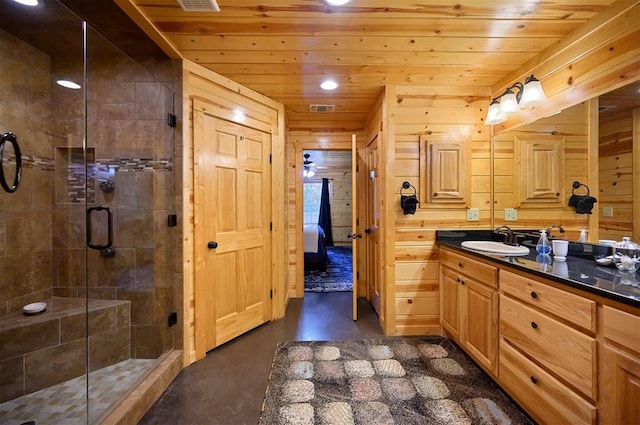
(327, 203)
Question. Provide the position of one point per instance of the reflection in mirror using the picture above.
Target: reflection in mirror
(619, 114)
(534, 167)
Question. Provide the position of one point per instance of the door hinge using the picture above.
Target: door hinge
(357, 221)
(271, 226)
(271, 293)
(357, 275)
(270, 158)
(171, 119)
(357, 168)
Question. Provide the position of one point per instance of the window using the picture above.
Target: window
(311, 200)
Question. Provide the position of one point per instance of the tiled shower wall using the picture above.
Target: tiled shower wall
(130, 145)
(26, 247)
(42, 231)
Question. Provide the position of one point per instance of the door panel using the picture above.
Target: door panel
(354, 225)
(231, 208)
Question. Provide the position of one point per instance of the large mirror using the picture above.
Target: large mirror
(535, 165)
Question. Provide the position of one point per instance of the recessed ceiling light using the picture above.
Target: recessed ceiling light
(329, 85)
(27, 2)
(337, 2)
(68, 84)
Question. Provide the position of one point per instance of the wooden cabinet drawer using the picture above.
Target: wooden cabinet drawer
(483, 273)
(621, 327)
(542, 395)
(570, 307)
(566, 352)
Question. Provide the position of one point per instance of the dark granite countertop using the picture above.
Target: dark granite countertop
(580, 273)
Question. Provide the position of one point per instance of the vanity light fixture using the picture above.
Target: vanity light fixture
(329, 85)
(529, 94)
(337, 2)
(68, 84)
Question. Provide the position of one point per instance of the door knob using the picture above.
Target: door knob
(352, 235)
(212, 244)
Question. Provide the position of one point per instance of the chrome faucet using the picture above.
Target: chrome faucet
(553, 226)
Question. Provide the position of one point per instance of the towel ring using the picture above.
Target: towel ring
(576, 185)
(4, 139)
(407, 185)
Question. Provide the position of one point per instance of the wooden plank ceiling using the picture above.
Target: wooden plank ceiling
(284, 49)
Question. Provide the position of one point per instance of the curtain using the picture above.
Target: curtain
(324, 218)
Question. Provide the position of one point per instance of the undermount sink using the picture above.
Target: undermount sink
(494, 247)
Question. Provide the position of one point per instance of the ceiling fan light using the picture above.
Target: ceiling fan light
(494, 114)
(532, 94)
(509, 103)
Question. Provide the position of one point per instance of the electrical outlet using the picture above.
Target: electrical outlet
(607, 211)
(473, 214)
(510, 214)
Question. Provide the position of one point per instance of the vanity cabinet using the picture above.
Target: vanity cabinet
(619, 368)
(548, 350)
(469, 306)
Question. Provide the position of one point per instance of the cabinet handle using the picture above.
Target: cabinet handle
(534, 325)
(534, 380)
(460, 265)
(534, 295)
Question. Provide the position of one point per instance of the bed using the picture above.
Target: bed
(315, 251)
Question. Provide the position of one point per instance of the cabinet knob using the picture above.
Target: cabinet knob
(534, 379)
(458, 280)
(460, 265)
(410, 301)
(534, 325)
(534, 295)
(462, 281)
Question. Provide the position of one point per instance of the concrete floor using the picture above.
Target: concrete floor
(228, 386)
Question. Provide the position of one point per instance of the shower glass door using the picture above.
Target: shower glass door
(87, 270)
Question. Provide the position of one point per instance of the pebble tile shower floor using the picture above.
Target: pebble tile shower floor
(66, 403)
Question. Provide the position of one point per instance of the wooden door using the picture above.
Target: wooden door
(354, 226)
(232, 234)
(621, 381)
(450, 293)
(479, 308)
(372, 238)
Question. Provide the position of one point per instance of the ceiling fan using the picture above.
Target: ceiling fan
(308, 167)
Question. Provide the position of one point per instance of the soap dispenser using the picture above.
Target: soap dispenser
(543, 247)
(583, 236)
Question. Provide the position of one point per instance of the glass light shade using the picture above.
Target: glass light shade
(494, 114)
(329, 85)
(509, 103)
(309, 173)
(337, 2)
(532, 94)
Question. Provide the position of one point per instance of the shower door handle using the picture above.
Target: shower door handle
(4, 139)
(90, 244)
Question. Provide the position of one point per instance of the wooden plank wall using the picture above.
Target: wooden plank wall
(200, 83)
(572, 125)
(442, 113)
(616, 176)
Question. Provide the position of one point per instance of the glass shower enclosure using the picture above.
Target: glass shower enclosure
(88, 253)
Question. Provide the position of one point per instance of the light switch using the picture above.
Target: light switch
(607, 211)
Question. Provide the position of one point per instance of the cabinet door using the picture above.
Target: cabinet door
(620, 388)
(479, 312)
(450, 289)
(444, 175)
(541, 166)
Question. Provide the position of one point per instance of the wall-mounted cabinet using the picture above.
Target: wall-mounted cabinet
(540, 162)
(444, 173)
